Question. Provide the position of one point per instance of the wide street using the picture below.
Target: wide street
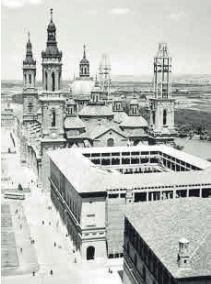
(53, 248)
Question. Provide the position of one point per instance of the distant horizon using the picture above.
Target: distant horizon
(128, 31)
(174, 76)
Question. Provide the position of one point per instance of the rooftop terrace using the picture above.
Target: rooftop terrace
(78, 162)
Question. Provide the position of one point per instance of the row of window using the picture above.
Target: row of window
(123, 161)
(94, 234)
(29, 78)
(53, 81)
(69, 199)
(147, 256)
(136, 153)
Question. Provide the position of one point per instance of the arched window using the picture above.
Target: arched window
(25, 80)
(53, 82)
(153, 117)
(110, 142)
(90, 253)
(30, 78)
(53, 118)
(30, 106)
(46, 80)
(164, 117)
(59, 80)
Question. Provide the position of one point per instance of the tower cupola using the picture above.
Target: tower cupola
(29, 66)
(29, 55)
(51, 29)
(96, 93)
(84, 65)
(30, 95)
(51, 60)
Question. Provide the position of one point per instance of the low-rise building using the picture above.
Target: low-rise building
(168, 242)
(92, 187)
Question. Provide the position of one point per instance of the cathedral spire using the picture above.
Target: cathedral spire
(84, 57)
(84, 64)
(28, 36)
(29, 66)
(29, 55)
(51, 60)
(51, 31)
(51, 15)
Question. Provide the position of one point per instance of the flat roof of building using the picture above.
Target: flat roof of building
(162, 224)
(85, 176)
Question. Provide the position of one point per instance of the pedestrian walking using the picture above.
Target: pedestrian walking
(21, 250)
(33, 273)
(51, 272)
(54, 244)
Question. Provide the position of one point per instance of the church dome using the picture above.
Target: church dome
(134, 122)
(82, 87)
(70, 101)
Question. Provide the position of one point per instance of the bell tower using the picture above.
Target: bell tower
(84, 65)
(162, 103)
(51, 60)
(52, 100)
(30, 95)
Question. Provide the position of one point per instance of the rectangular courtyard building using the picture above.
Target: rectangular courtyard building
(92, 187)
(168, 242)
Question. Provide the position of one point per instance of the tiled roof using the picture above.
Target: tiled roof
(73, 122)
(119, 116)
(163, 223)
(135, 132)
(134, 122)
(96, 111)
(94, 130)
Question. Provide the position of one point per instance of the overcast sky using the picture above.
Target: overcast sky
(127, 30)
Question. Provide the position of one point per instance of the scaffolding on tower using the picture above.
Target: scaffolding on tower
(104, 75)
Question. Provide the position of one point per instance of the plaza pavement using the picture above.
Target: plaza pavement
(60, 258)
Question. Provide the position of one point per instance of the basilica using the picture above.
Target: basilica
(86, 116)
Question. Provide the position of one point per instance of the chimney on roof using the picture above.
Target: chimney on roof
(183, 254)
